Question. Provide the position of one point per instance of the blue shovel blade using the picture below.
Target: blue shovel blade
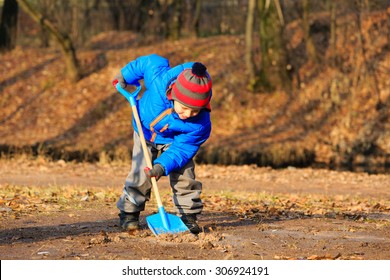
(164, 223)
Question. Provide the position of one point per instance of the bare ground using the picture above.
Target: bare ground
(58, 210)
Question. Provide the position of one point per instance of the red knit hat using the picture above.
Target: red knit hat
(193, 87)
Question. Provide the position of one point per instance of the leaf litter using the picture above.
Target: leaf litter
(236, 223)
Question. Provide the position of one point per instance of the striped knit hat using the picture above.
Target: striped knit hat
(193, 87)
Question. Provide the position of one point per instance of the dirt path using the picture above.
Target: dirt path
(58, 210)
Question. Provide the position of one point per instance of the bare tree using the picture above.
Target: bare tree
(196, 20)
(372, 80)
(333, 32)
(178, 19)
(249, 31)
(273, 71)
(71, 62)
(310, 47)
(8, 25)
(175, 27)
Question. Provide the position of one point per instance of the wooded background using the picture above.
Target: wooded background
(296, 82)
(73, 23)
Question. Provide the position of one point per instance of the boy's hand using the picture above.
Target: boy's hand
(119, 79)
(157, 171)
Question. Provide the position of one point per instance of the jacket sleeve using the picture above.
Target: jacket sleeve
(144, 67)
(183, 148)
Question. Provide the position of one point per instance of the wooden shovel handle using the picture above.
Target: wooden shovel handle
(131, 98)
(146, 153)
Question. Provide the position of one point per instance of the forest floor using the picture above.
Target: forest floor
(335, 117)
(64, 210)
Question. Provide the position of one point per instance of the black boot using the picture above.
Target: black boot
(129, 221)
(190, 221)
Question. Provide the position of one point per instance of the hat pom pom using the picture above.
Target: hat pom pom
(199, 69)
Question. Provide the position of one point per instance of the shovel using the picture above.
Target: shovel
(161, 223)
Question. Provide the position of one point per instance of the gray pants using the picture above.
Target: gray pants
(137, 189)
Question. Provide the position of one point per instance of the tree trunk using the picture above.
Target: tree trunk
(249, 60)
(273, 72)
(333, 32)
(388, 27)
(310, 47)
(196, 20)
(71, 62)
(264, 44)
(371, 79)
(8, 25)
(175, 28)
(164, 17)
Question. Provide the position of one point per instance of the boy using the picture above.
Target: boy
(175, 116)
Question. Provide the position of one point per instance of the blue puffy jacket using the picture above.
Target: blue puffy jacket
(160, 123)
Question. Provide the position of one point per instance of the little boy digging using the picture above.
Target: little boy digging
(175, 116)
